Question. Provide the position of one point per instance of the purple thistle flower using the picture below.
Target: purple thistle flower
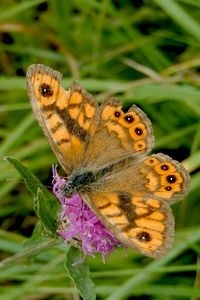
(79, 223)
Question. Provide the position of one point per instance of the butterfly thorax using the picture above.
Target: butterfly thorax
(78, 182)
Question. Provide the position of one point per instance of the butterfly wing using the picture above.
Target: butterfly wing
(134, 202)
(118, 135)
(145, 225)
(80, 132)
(67, 117)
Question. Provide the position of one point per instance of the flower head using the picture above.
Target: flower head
(79, 223)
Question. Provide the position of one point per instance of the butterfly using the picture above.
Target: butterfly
(105, 154)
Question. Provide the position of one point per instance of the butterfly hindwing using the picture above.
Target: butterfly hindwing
(137, 209)
(138, 223)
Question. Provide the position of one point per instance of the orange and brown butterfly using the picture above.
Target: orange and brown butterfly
(104, 152)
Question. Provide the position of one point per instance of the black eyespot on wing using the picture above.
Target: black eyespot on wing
(143, 236)
(171, 178)
(129, 119)
(165, 167)
(117, 114)
(138, 131)
(45, 90)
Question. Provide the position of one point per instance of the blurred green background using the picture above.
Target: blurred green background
(144, 52)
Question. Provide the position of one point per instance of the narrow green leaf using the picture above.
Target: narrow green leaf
(79, 272)
(36, 237)
(46, 208)
(45, 204)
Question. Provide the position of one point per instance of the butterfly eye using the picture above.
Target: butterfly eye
(45, 90)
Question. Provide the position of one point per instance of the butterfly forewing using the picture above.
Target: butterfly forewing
(118, 135)
(66, 116)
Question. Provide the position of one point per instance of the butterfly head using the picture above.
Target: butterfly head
(78, 182)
